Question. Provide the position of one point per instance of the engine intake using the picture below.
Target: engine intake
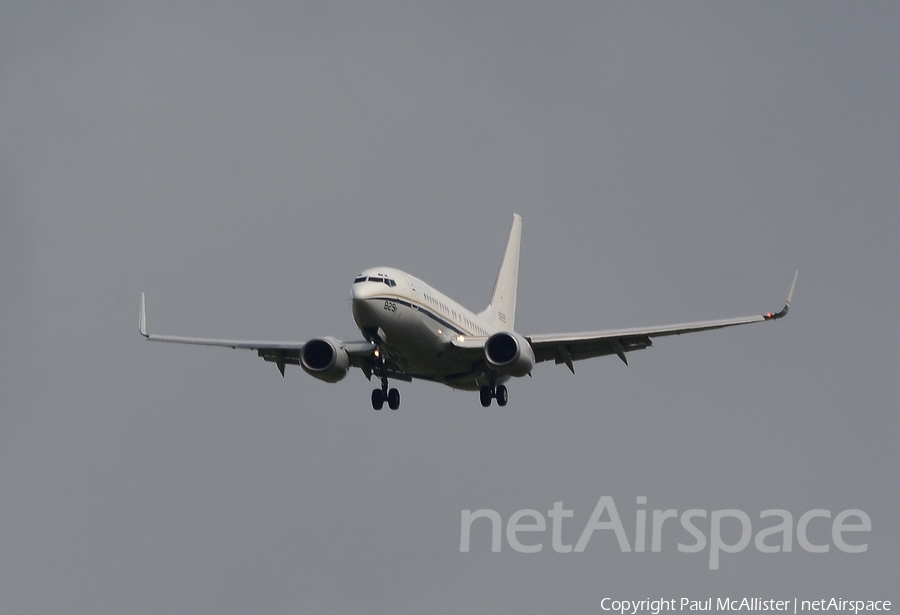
(324, 358)
(509, 353)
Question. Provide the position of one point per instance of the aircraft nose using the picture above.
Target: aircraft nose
(363, 290)
(364, 312)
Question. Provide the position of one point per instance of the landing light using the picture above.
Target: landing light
(377, 353)
(460, 338)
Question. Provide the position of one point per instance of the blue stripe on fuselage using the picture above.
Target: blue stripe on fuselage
(425, 311)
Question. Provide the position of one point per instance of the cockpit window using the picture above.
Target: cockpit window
(379, 280)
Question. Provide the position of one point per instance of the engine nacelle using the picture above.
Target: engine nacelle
(509, 353)
(324, 358)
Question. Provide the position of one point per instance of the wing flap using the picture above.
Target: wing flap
(568, 347)
(279, 352)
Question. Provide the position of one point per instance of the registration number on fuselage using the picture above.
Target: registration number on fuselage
(390, 306)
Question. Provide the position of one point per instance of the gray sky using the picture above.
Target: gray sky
(241, 162)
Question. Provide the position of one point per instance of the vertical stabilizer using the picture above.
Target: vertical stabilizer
(501, 311)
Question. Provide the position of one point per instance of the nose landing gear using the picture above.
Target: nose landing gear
(379, 396)
(391, 396)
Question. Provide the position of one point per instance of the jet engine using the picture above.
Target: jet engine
(509, 353)
(324, 358)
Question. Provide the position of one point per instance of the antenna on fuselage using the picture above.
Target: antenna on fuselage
(501, 311)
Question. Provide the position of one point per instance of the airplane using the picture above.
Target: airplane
(412, 331)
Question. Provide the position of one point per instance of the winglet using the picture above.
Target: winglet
(787, 304)
(142, 321)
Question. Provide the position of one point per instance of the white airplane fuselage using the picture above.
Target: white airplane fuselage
(415, 325)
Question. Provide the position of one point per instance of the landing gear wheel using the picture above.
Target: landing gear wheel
(393, 399)
(486, 395)
(377, 399)
(502, 395)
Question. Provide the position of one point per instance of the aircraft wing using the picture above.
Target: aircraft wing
(569, 347)
(280, 353)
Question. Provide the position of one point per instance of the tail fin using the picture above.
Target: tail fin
(501, 311)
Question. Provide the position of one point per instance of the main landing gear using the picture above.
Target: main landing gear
(499, 393)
